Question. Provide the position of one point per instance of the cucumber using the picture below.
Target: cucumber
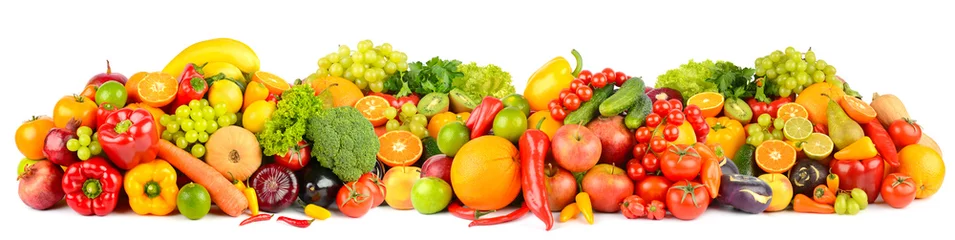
(744, 159)
(638, 113)
(588, 110)
(624, 98)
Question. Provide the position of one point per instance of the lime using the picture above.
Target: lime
(194, 201)
(818, 146)
(430, 195)
(797, 128)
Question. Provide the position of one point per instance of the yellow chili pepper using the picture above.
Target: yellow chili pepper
(152, 188)
(238, 184)
(569, 212)
(547, 82)
(253, 201)
(583, 203)
(317, 212)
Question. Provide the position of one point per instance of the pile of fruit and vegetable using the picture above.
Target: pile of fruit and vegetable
(370, 128)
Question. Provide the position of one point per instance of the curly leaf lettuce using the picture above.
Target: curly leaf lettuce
(286, 127)
(689, 79)
(482, 81)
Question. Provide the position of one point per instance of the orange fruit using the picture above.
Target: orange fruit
(775, 156)
(155, 112)
(344, 92)
(439, 120)
(815, 99)
(254, 92)
(791, 110)
(486, 173)
(157, 89)
(399, 148)
(710, 103)
(857, 109)
(275, 84)
(373, 108)
(924, 165)
(132, 84)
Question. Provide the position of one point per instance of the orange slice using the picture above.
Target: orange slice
(275, 84)
(775, 156)
(710, 103)
(791, 110)
(857, 109)
(157, 89)
(399, 148)
(373, 108)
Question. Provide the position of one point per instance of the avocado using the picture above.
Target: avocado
(744, 159)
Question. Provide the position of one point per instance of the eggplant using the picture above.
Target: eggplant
(745, 193)
(806, 174)
(727, 166)
(318, 185)
(379, 169)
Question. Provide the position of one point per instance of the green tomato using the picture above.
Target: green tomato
(510, 123)
(111, 92)
(452, 136)
(518, 101)
(24, 163)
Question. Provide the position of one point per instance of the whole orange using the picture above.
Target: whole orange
(815, 99)
(486, 173)
(344, 92)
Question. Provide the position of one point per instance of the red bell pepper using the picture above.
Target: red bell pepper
(92, 187)
(534, 146)
(774, 106)
(192, 86)
(864, 174)
(103, 112)
(129, 137)
(483, 116)
(397, 102)
(758, 107)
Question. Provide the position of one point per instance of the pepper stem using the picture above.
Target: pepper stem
(539, 123)
(152, 189)
(92, 188)
(123, 126)
(580, 62)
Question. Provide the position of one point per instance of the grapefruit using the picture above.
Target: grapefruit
(486, 173)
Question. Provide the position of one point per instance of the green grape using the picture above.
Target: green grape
(358, 70)
(390, 68)
(179, 134)
(200, 125)
(417, 130)
(801, 66)
(364, 45)
(860, 197)
(377, 86)
(165, 119)
(95, 148)
(821, 64)
(782, 79)
(385, 49)
(751, 141)
(357, 58)
(180, 119)
(776, 56)
(349, 76)
(380, 63)
(810, 68)
(220, 109)
(802, 78)
(790, 65)
(852, 207)
(810, 56)
(402, 66)
(394, 57)
(323, 63)
(198, 150)
(83, 153)
(790, 50)
(183, 111)
(182, 143)
(403, 57)
(842, 200)
(777, 134)
(371, 75)
(361, 83)
(203, 137)
(790, 83)
(771, 73)
(392, 125)
(335, 70)
(84, 130)
(752, 129)
(419, 119)
(72, 144)
(208, 113)
(371, 57)
(213, 126)
(764, 120)
(760, 71)
(766, 63)
(192, 136)
(332, 57)
(172, 127)
(233, 118)
(85, 140)
(95, 136)
(799, 88)
(194, 104)
(830, 70)
(391, 113)
(830, 78)
(778, 123)
(223, 121)
(404, 127)
(759, 61)
(818, 76)
(781, 69)
(187, 125)
(196, 114)
(343, 50)
(796, 56)
(167, 136)
(785, 92)
(409, 108)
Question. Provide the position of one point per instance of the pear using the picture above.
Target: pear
(842, 130)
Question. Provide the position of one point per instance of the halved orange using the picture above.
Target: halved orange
(857, 109)
(275, 84)
(791, 110)
(157, 89)
(775, 156)
(373, 108)
(399, 148)
(710, 103)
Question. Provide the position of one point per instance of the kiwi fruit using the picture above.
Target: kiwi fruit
(461, 101)
(433, 103)
(738, 109)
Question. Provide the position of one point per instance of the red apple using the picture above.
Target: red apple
(438, 166)
(576, 148)
(607, 186)
(616, 141)
(561, 187)
(109, 75)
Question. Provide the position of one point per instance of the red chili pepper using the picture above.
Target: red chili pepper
(296, 222)
(103, 112)
(457, 210)
(517, 214)
(483, 116)
(192, 85)
(534, 146)
(883, 142)
(256, 218)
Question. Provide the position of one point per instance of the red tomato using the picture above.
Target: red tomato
(680, 162)
(676, 104)
(585, 75)
(643, 134)
(621, 78)
(661, 107)
(671, 132)
(658, 144)
(675, 117)
(905, 132)
(653, 188)
(354, 199)
(373, 183)
(297, 157)
(558, 113)
(611, 75)
(650, 163)
(635, 171)
(553, 104)
(687, 200)
(572, 102)
(576, 83)
(692, 112)
(653, 120)
(639, 150)
(898, 190)
(656, 210)
(563, 94)
(599, 80)
(584, 93)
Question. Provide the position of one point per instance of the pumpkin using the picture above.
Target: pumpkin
(888, 108)
(234, 152)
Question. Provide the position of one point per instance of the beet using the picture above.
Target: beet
(664, 93)
(275, 186)
(54, 145)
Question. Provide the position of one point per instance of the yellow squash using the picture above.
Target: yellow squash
(225, 50)
(545, 84)
(152, 188)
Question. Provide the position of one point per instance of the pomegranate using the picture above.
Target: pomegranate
(54, 145)
(275, 186)
(41, 185)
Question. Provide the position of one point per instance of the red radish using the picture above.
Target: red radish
(54, 146)
(41, 185)
(275, 186)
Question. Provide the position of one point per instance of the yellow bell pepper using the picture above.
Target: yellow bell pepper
(545, 84)
(152, 188)
(727, 133)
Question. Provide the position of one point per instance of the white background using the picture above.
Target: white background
(50, 49)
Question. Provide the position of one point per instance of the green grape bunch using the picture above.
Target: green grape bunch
(191, 125)
(367, 66)
(793, 71)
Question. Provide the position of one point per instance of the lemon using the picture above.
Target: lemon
(797, 129)
(818, 146)
(224, 91)
(256, 114)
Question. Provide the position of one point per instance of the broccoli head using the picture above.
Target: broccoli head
(343, 141)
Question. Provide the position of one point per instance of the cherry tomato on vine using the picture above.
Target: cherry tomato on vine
(610, 74)
(586, 76)
(671, 132)
(572, 102)
(621, 78)
(584, 93)
(563, 94)
(558, 113)
(639, 150)
(553, 104)
(692, 112)
(650, 163)
(599, 80)
(635, 170)
(675, 117)
(643, 134)
(576, 83)
(658, 144)
(661, 107)
(653, 120)
(675, 104)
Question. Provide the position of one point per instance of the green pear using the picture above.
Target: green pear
(842, 130)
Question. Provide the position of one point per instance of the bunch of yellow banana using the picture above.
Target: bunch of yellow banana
(228, 56)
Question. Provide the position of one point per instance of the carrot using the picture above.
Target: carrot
(821, 194)
(223, 193)
(804, 204)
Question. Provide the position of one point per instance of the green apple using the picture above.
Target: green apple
(24, 163)
(430, 195)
